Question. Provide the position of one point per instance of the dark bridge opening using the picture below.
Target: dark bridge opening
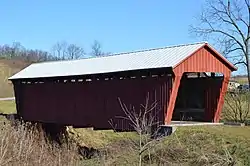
(197, 98)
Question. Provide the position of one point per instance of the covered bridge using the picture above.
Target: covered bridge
(188, 82)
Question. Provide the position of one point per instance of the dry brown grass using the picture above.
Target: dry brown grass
(25, 146)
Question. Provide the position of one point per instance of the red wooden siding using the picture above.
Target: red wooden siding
(203, 60)
(91, 104)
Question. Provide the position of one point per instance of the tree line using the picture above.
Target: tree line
(59, 51)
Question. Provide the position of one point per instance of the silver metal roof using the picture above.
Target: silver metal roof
(144, 59)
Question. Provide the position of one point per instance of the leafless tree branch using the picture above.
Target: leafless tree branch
(241, 62)
(227, 21)
(142, 122)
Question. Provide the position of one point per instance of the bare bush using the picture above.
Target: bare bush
(24, 145)
(237, 107)
(144, 123)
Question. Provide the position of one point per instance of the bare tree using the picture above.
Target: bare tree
(142, 121)
(10, 51)
(228, 22)
(74, 52)
(7, 51)
(63, 50)
(97, 49)
(59, 49)
(17, 48)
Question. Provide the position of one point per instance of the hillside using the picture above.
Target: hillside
(7, 68)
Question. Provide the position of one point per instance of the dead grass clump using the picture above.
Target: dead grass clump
(167, 155)
(25, 146)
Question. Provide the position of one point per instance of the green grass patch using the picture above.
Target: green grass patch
(7, 107)
(213, 145)
(199, 145)
(230, 131)
(101, 138)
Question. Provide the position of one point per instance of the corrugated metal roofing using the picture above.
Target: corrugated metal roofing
(144, 59)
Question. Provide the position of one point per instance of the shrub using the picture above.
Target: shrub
(237, 107)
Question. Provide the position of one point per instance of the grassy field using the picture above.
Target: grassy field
(194, 146)
(7, 107)
(8, 68)
(211, 145)
(206, 145)
(240, 79)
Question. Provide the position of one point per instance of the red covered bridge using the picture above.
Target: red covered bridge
(188, 82)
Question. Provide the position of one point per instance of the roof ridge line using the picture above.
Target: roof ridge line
(129, 52)
(158, 48)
